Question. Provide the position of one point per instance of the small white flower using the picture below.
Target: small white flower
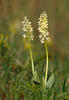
(31, 36)
(42, 41)
(40, 36)
(32, 39)
(47, 38)
(44, 35)
(24, 36)
(47, 33)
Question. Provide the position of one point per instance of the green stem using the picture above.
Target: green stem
(46, 68)
(31, 57)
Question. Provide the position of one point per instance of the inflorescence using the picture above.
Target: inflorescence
(43, 27)
(27, 28)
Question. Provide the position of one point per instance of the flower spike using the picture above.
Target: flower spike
(43, 27)
(27, 28)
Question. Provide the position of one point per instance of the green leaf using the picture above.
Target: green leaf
(50, 81)
(35, 78)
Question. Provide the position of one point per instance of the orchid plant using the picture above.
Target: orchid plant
(44, 37)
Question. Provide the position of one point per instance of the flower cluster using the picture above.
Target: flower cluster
(27, 28)
(43, 27)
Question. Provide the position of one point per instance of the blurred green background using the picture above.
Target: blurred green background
(11, 16)
(12, 44)
(12, 12)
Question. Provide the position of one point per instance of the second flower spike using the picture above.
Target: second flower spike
(28, 34)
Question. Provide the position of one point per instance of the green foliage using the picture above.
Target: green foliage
(17, 81)
(50, 82)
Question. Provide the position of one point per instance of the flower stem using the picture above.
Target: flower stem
(46, 68)
(31, 57)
